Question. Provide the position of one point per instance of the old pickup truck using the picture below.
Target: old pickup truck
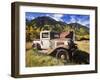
(52, 43)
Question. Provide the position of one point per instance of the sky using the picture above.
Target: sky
(67, 18)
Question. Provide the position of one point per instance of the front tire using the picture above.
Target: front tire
(62, 54)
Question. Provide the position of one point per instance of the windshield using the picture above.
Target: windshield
(45, 35)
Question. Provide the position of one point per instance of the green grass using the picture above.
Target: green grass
(34, 59)
(83, 45)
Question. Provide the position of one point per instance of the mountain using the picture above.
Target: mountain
(40, 22)
(48, 23)
(45, 20)
(77, 25)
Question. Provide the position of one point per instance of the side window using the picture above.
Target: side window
(56, 35)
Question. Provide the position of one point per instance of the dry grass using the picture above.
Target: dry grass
(83, 45)
(28, 45)
(35, 59)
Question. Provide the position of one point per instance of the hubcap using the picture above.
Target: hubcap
(62, 57)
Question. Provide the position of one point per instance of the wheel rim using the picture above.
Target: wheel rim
(63, 57)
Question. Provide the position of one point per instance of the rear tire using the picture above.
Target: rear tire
(37, 46)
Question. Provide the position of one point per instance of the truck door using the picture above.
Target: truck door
(45, 40)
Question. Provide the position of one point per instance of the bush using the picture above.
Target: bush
(84, 37)
(28, 45)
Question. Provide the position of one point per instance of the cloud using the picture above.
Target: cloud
(30, 17)
(73, 19)
(57, 17)
(85, 22)
(79, 19)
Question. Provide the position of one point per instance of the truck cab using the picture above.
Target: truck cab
(45, 39)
